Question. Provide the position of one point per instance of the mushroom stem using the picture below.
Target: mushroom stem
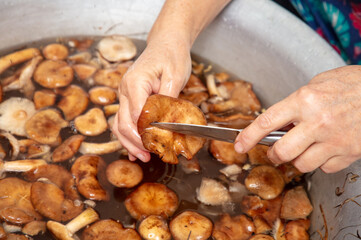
(111, 109)
(86, 217)
(211, 85)
(17, 57)
(100, 148)
(21, 165)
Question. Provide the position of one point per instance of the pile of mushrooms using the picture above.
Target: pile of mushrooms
(60, 164)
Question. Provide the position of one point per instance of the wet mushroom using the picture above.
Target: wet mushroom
(265, 181)
(2, 153)
(20, 165)
(102, 95)
(278, 231)
(225, 153)
(13, 236)
(151, 199)
(289, 172)
(17, 57)
(53, 74)
(297, 230)
(124, 173)
(196, 98)
(86, 170)
(68, 148)
(261, 237)
(154, 228)
(84, 71)
(233, 120)
(261, 225)
(80, 58)
(25, 82)
(191, 225)
(221, 77)
(66, 232)
(109, 229)
(100, 148)
(1, 93)
(212, 192)
(117, 48)
(194, 85)
(296, 204)
(166, 144)
(45, 125)
(74, 101)
(14, 113)
(44, 98)
(110, 77)
(92, 123)
(34, 228)
(81, 44)
(235, 228)
(15, 147)
(2, 233)
(55, 51)
(111, 109)
(189, 166)
(258, 155)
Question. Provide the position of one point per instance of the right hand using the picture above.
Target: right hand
(164, 68)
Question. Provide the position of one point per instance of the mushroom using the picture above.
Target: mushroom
(212, 88)
(124, 173)
(100, 148)
(44, 98)
(68, 148)
(20, 165)
(110, 77)
(154, 228)
(117, 48)
(297, 230)
(84, 71)
(92, 123)
(2, 153)
(222, 77)
(235, 120)
(166, 144)
(151, 199)
(74, 101)
(34, 228)
(66, 232)
(17, 57)
(225, 153)
(55, 51)
(261, 225)
(53, 194)
(14, 113)
(194, 85)
(2, 233)
(102, 95)
(81, 44)
(80, 57)
(109, 229)
(45, 125)
(189, 166)
(278, 231)
(261, 237)
(289, 172)
(191, 225)
(231, 170)
(258, 155)
(265, 181)
(235, 228)
(37, 150)
(15, 147)
(1, 93)
(196, 98)
(13, 236)
(25, 82)
(11, 228)
(85, 170)
(53, 74)
(15, 204)
(296, 204)
(111, 109)
(212, 192)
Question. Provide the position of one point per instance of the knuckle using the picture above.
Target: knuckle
(302, 167)
(307, 96)
(264, 120)
(281, 153)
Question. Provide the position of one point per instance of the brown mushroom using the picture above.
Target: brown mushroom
(225, 153)
(15, 147)
(191, 225)
(117, 48)
(85, 170)
(189, 166)
(2, 233)
(258, 155)
(53, 74)
(74, 101)
(110, 77)
(278, 231)
(20, 165)
(154, 228)
(109, 229)
(2, 153)
(261, 237)
(289, 172)
(151, 199)
(235, 228)
(81, 44)
(45, 125)
(55, 51)
(212, 192)
(111, 109)
(55, 197)
(68, 148)
(102, 95)
(84, 71)
(44, 98)
(92, 123)
(297, 230)
(66, 232)
(34, 228)
(231, 170)
(17, 57)
(261, 225)
(221, 77)
(1, 93)
(124, 173)
(196, 98)
(296, 204)
(265, 181)
(166, 144)
(15, 204)
(100, 148)
(80, 57)
(14, 236)
(14, 113)
(194, 85)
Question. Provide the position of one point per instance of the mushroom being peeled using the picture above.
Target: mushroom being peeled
(109, 229)
(44, 98)
(258, 155)
(74, 101)
(235, 228)
(53, 74)
(102, 95)
(117, 48)
(45, 125)
(55, 51)
(191, 225)
(166, 144)
(14, 113)
(68, 148)
(124, 173)
(226, 154)
(92, 123)
(110, 77)
(296, 204)
(17, 57)
(233, 120)
(154, 228)
(85, 170)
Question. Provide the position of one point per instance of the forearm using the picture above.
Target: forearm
(185, 19)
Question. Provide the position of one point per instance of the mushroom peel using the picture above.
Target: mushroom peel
(14, 113)
(17, 57)
(53, 74)
(92, 123)
(166, 144)
(117, 48)
(74, 101)
(66, 232)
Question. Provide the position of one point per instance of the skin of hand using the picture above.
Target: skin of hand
(163, 67)
(327, 118)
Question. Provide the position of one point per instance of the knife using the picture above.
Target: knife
(213, 132)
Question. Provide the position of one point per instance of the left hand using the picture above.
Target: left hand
(327, 118)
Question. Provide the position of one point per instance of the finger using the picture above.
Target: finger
(172, 84)
(131, 157)
(276, 117)
(336, 163)
(292, 144)
(315, 156)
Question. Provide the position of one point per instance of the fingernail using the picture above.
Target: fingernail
(141, 157)
(238, 147)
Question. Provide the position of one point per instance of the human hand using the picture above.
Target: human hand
(327, 118)
(164, 68)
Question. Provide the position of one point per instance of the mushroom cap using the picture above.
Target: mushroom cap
(296, 204)
(86, 170)
(53, 74)
(154, 228)
(265, 181)
(68, 148)
(15, 204)
(194, 85)
(34, 228)
(55, 51)
(261, 225)
(237, 227)
(92, 123)
(124, 173)
(59, 230)
(45, 125)
(297, 230)
(102, 95)
(151, 199)
(110, 77)
(84, 71)
(225, 153)
(109, 229)
(44, 98)
(117, 48)
(264, 237)
(191, 225)
(74, 101)
(289, 172)
(258, 155)
(212, 192)
(14, 113)
(166, 144)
